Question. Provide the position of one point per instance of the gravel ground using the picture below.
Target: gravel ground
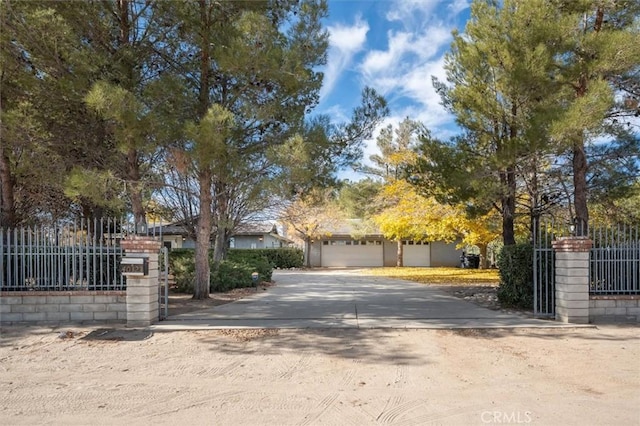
(84, 375)
(306, 377)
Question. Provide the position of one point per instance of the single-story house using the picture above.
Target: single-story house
(257, 236)
(247, 236)
(342, 249)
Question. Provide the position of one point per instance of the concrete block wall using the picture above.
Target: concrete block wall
(572, 279)
(54, 307)
(618, 308)
(142, 291)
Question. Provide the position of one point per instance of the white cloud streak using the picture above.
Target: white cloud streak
(344, 43)
(403, 71)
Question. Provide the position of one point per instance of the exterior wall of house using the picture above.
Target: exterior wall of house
(254, 242)
(188, 244)
(175, 241)
(390, 253)
(444, 254)
(247, 242)
(440, 254)
(271, 242)
(315, 254)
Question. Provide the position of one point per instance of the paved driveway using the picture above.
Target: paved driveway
(347, 299)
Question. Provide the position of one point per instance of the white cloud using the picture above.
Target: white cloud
(402, 10)
(458, 6)
(418, 36)
(344, 43)
(403, 71)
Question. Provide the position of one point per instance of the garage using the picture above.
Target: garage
(351, 253)
(416, 253)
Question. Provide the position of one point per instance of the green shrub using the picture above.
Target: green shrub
(285, 258)
(254, 258)
(182, 266)
(281, 258)
(235, 272)
(229, 275)
(516, 276)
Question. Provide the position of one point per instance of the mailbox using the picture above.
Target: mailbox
(135, 266)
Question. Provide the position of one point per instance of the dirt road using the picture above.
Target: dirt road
(304, 377)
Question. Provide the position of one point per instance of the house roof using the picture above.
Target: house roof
(256, 229)
(351, 227)
(246, 229)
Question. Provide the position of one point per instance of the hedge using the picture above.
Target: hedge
(516, 276)
(234, 272)
(281, 258)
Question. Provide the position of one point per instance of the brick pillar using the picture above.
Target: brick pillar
(572, 279)
(142, 291)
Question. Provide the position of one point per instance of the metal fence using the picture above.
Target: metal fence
(80, 256)
(615, 260)
(544, 300)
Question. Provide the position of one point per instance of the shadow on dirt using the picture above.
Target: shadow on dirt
(118, 335)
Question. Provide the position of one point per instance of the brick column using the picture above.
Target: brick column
(142, 291)
(572, 279)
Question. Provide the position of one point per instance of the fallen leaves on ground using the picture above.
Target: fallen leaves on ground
(449, 276)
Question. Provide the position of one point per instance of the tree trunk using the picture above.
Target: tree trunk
(307, 252)
(133, 165)
(581, 221)
(8, 182)
(203, 237)
(135, 191)
(508, 205)
(219, 245)
(483, 256)
(203, 228)
(400, 255)
(579, 163)
(222, 222)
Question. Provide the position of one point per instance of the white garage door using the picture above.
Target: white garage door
(342, 254)
(416, 253)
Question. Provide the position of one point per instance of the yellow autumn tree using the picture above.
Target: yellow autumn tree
(405, 214)
(410, 215)
(312, 217)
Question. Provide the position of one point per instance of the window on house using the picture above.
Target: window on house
(325, 243)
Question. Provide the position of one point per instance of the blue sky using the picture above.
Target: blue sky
(394, 46)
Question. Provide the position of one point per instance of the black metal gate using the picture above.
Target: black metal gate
(163, 283)
(544, 287)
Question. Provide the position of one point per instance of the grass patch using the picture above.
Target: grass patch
(450, 276)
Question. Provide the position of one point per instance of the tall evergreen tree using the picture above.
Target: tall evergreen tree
(597, 53)
(496, 73)
(251, 66)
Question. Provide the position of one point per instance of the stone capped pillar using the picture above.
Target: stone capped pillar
(572, 279)
(142, 291)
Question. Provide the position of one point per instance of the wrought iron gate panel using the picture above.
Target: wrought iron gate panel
(163, 284)
(544, 288)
